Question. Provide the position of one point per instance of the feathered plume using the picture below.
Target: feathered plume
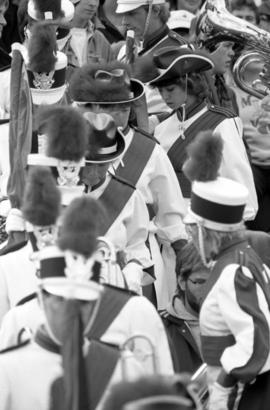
(82, 224)
(42, 6)
(42, 200)
(42, 48)
(204, 157)
(85, 87)
(67, 132)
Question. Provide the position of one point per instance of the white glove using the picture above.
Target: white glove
(133, 273)
(219, 397)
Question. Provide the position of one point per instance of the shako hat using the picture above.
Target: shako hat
(59, 278)
(216, 203)
(46, 67)
(41, 205)
(124, 6)
(173, 62)
(105, 141)
(180, 19)
(108, 83)
(65, 133)
(50, 9)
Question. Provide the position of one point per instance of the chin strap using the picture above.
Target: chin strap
(201, 246)
(147, 22)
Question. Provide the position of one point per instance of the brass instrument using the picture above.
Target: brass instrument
(217, 24)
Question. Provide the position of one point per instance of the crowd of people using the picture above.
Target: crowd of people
(135, 195)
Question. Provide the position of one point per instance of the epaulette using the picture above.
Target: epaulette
(26, 299)
(15, 347)
(122, 180)
(221, 110)
(145, 134)
(12, 248)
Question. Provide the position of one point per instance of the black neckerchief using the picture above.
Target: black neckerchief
(5, 60)
(155, 38)
(43, 340)
(191, 110)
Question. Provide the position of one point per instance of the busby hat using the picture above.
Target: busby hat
(124, 6)
(46, 67)
(66, 142)
(105, 141)
(160, 402)
(50, 9)
(173, 62)
(105, 84)
(41, 205)
(216, 203)
(60, 279)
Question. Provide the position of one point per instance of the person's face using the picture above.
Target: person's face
(173, 95)
(93, 174)
(194, 289)
(3, 9)
(265, 22)
(135, 20)
(87, 8)
(222, 57)
(245, 13)
(120, 113)
(191, 5)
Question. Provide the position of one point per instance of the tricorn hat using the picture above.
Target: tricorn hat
(105, 141)
(173, 62)
(105, 84)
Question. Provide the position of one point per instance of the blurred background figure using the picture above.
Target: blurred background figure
(192, 6)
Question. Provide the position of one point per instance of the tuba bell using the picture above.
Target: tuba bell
(217, 24)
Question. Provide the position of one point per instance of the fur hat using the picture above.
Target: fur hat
(42, 48)
(66, 130)
(42, 199)
(81, 225)
(108, 83)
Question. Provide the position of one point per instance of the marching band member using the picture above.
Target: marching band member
(143, 163)
(234, 314)
(178, 78)
(148, 19)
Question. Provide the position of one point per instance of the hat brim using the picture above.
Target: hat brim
(71, 289)
(185, 64)
(125, 8)
(104, 158)
(136, 87)
(191, 218)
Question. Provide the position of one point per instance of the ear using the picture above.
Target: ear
(181, 283)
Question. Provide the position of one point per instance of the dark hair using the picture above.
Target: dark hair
(195, 84)
(188, 262)
(239, 4)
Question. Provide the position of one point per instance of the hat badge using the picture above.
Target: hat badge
(78, 267)
(45, 235)
(68, 172)
(43, 81)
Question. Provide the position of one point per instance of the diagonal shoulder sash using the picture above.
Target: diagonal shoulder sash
(136, 158)
(114, 199)
(177, 153)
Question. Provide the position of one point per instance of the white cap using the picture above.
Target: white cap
(218, 204)
(180, 19)
(124, 6)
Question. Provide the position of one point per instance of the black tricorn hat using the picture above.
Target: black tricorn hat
(105, 141)
(105, 84)
(173, 62)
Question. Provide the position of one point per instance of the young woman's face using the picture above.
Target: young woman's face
(173, 95)
(93, 174)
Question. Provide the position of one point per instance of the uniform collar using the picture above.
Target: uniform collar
(192, 110)
(155, 38)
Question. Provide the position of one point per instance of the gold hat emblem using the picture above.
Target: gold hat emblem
(43, 81)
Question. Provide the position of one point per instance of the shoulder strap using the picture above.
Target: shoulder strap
(177, 153)
(15, 347)
(112, 302)
(114, 199)
(136, 158)
(100, 363)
